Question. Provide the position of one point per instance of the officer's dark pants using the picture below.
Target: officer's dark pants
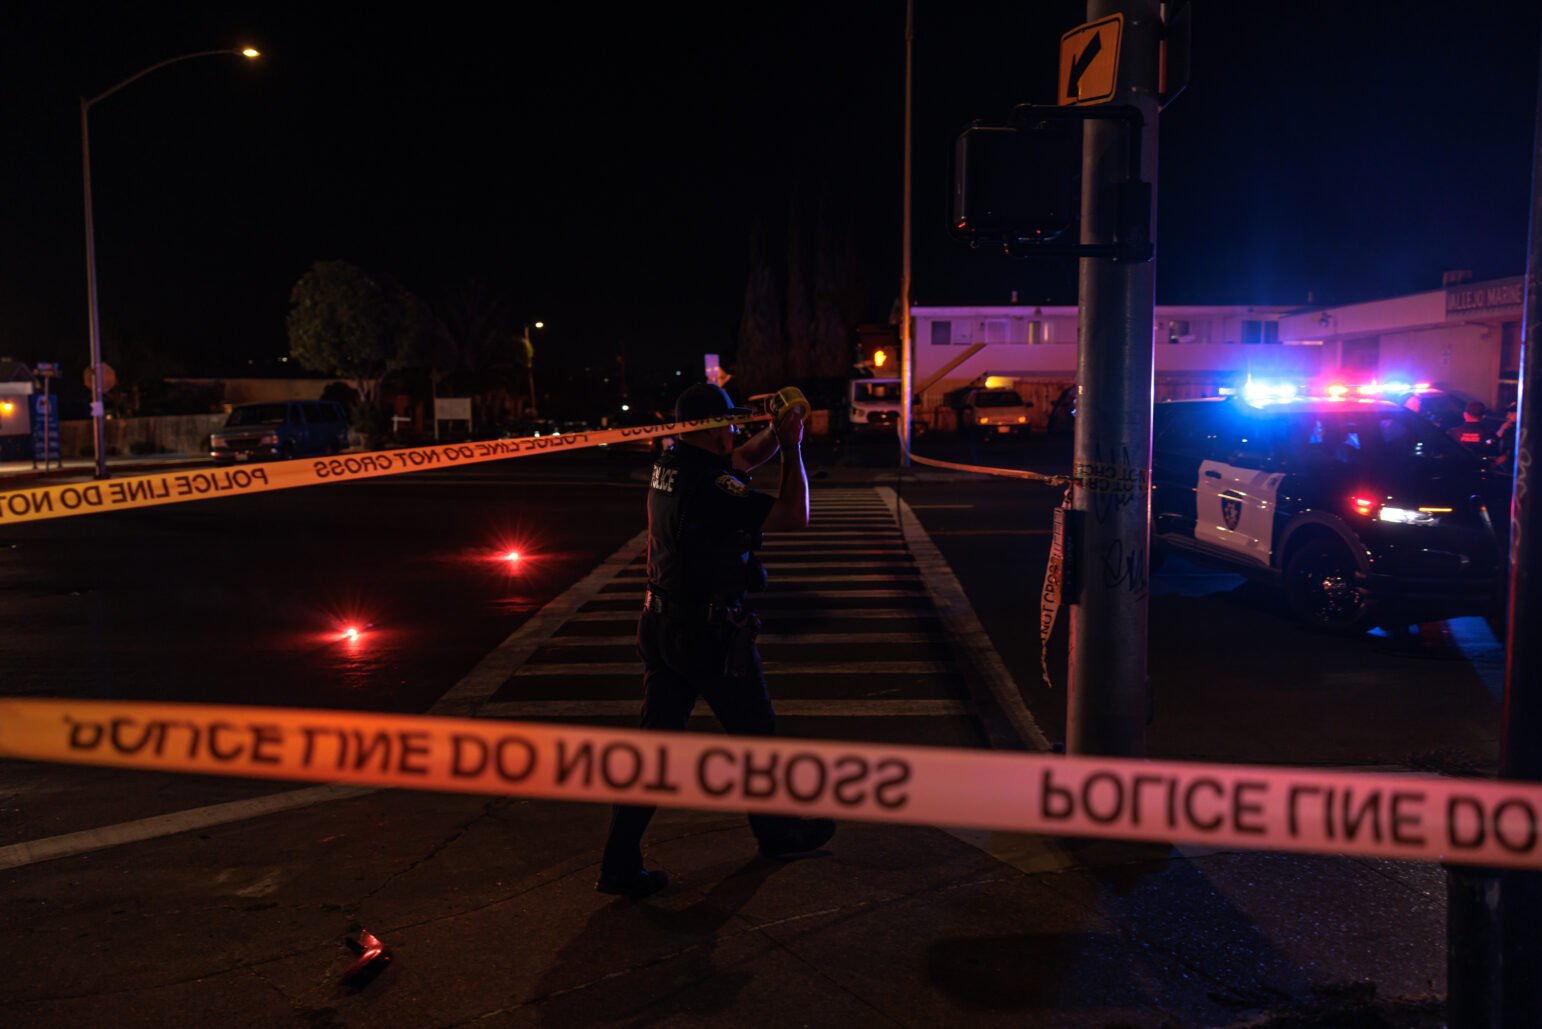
(683, 660)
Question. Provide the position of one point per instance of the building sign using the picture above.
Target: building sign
(45, 427)
(1505, 296)
(452, 409)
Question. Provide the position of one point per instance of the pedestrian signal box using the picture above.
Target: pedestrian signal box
(1020, 185)
(1017, 184)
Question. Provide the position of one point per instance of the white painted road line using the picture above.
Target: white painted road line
(69, 844)
(775, 614)
(766, 639)
(897, 576)
(990, 532)
(841, 534)
(463, 699)
(901, 564)
(517, 709)
(969, 640)
(494, 670)
(833, 550)
(587, 668)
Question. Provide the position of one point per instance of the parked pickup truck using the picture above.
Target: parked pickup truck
(280, 430)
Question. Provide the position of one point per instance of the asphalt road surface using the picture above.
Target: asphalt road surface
(247, 600)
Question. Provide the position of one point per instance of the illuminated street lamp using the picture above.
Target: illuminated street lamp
(530, 361)
(99, 433)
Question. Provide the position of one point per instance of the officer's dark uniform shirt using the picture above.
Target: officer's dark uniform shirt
(702, 521)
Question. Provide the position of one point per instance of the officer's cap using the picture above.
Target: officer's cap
(704, 400)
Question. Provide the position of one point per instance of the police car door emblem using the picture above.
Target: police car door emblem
(1231, 511)
(728, 484)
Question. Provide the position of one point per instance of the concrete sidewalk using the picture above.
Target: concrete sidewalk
(488, 909)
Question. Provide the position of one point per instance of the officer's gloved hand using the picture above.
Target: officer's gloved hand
(789, 429)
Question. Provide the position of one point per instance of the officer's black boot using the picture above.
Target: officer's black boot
(800, 837)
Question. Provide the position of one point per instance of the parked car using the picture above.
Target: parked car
(1443, 407)
(527, 427)
(993, 412)
(1358, 509)
(280, 430)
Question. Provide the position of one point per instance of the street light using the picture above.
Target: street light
(98, 429)
(530, 362)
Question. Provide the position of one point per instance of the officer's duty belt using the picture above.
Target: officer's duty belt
(712, 612)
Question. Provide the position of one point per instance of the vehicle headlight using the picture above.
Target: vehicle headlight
(1408, 516)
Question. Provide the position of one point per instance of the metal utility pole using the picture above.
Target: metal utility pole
(1108, 691)
(1520, 755)
(1494, 916)
(907, 366)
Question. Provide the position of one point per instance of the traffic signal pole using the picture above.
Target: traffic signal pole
(907, 359)
(1494, 916)
(1108, 690)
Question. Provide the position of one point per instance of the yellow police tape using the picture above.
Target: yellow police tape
(1412, 817)
(42, 503)
(1009, 473)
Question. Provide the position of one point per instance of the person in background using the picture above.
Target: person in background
(1504, 441)
(1476, 431)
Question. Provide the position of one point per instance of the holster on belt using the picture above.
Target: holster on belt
(739, 656)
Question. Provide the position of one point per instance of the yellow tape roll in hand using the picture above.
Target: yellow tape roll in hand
(789, 398)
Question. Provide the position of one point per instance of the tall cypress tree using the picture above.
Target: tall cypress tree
(800, 289)
(762, 356)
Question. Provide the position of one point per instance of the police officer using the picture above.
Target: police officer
(695, 635)
(1476, 429)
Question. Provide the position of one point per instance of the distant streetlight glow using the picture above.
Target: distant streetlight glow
(530, 368)
(98, 412)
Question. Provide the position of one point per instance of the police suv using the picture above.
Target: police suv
(1361, 510)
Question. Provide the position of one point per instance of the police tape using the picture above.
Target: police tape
(1409, 817)
(979, 469)
(62, 501)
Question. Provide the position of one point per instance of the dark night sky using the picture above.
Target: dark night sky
(602, 169)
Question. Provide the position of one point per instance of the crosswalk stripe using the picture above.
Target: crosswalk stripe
(889, 549)
(900, 572)
(548, 669)
(516, 709)
(775, 615)
(775, 639)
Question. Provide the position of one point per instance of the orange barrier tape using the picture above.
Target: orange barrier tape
(62, 501)
(1010, 473)
(1412, 817)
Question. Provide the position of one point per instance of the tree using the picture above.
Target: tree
(800, 290)
(495, 357)
(762, 357)
(342, 323)
(838, 298)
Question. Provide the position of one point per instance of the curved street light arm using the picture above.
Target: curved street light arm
(238, 51)
(98, 413)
